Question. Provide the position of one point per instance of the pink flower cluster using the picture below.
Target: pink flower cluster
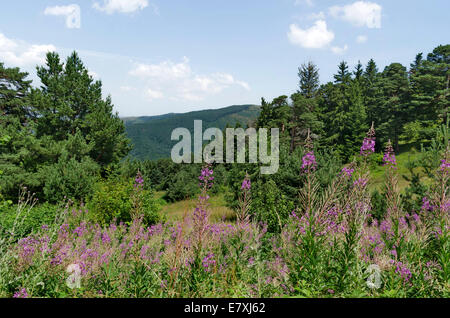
(389, 159)
(368, 146)
(22, 293)
(246, 184)
(444, 166)
(309, 162)
(347, 171)
(206, 177)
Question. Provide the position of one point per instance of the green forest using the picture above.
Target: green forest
(150, 136)
(363, 182)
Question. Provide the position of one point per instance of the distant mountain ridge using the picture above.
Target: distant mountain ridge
(150, 135)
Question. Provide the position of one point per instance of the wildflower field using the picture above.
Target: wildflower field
(330, 245)
(337, 189)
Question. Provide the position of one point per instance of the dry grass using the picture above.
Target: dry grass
(219, 211)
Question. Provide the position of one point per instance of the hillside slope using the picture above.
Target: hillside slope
(150, 136)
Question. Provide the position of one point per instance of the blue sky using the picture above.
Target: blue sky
(156, 56)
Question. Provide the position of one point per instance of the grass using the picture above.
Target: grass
(408, 153)
(220, 211)
(218, 207)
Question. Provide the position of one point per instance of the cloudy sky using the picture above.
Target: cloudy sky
(156, 56)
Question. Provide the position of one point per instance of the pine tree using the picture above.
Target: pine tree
(304, 106)
(343, 76)
(358, 72)
(14, 93)
(430, 84)
(308, 79)
(394, 110)
(70, 100)
(372, 94)
(21, 153)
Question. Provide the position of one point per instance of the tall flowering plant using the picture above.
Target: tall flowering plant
(368, 145)
(309, 166)
(201, 212)
(243, 215)
(392, 191)
(436, 212)
(137, 196)
(393, 233)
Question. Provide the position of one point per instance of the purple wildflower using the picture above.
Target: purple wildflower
(403, 271)
(309, 162)
(206, 177)
(139, 181)
(22, 293)
(389, 156)
(246, 184)
(426, 205)
(444, 166)
(347, 171)
(368, 145)
(208, 262)
(361, 183)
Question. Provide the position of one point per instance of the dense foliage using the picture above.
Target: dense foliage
(338, 219)
(329, 246)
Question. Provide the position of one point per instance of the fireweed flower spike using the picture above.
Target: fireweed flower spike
(244, 201)
(444, 166)
(347, 172)
(201, 212)
(137, 196)
(389, 156)
(139, 181)
(22, 293)
(309, 163)
(246, 184)
(368, 146)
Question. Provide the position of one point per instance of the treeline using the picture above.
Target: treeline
(59, 138)
(404, 105)
(63, 139)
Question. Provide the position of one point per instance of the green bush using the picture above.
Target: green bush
(113, 199)
(69, 178)
(270, 205)
(378, 201)
(184, 186)
(39, 215)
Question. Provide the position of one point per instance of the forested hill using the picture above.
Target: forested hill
(150, 136)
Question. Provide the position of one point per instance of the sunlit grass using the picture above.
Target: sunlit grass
(407, 154)
(218, 207)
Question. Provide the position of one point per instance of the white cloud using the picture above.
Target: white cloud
(309, 3)
(19, 53)
(71, 12)
(360, 13)
(6, 44)
(178, 81)
(127, 88)
(153, 94)
(166, 70)
(122, 6)
(317, 16)
(317, 36)
(339, 50)
(93, 74)
(361, 39)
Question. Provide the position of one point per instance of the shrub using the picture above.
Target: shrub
(112, 199)
(69, 178)
(185, 186)
(270, 205)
